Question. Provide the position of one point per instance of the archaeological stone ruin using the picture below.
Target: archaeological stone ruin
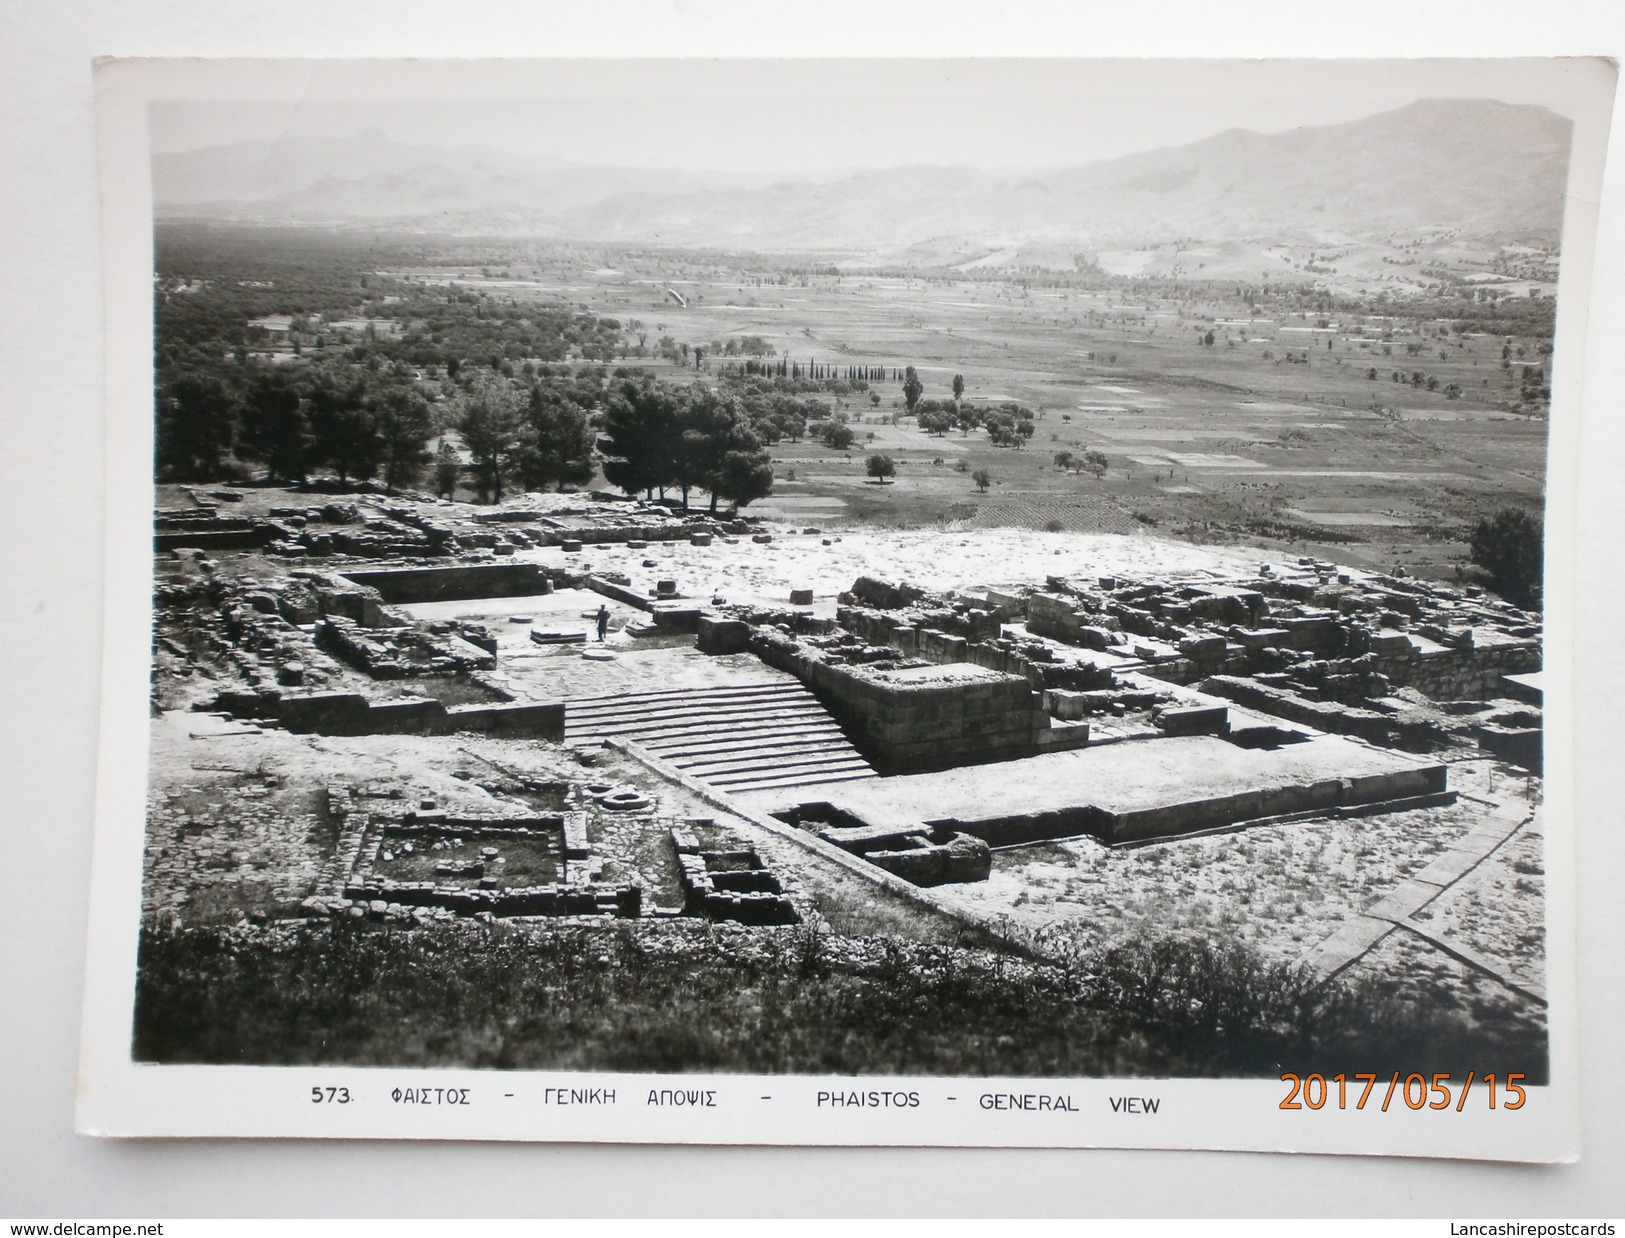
(743, 731)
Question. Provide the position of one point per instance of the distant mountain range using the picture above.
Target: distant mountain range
(1478, 168)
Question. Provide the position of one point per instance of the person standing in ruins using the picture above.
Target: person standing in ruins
(603, 621)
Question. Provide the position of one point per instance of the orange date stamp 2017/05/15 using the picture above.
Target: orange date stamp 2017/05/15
(1416, 1091)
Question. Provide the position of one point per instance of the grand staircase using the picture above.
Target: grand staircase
(742, 737)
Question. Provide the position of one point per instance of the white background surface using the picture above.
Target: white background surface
(50, 624)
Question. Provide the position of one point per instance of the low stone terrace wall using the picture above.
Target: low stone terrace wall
(350, 713)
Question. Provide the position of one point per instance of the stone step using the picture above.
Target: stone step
(768, 766)
(740, 736)
(673, 741)
(800, 738)
(701, 727)
(790, 778)
(787, 721)
(754, 685)
(684, 696)
(702, 700)
(808, 780)
(685, 700)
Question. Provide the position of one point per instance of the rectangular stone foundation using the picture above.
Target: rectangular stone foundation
(350, 713)
(454, 584)
(1128, 792)
(924, 717)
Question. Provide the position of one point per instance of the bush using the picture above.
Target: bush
(680, 997)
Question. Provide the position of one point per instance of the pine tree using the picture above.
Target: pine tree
(275, 429)
(1509, 546)
(641, 436)
(557, 448)
(197, 425)
(402, 425)
(489, 421)
(342, 430)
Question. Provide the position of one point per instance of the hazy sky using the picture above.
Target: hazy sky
(815, 115)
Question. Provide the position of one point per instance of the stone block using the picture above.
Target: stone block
(1195, 720)
(1091, 637)
(537, 720)
(722, 636)
(801, 597)
(1260, 638)
(1392, 644)
(1203, 647)
(1068, 705)
(558, 638)
(676, 616)
(963, 858)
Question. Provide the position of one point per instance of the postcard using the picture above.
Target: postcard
(960, 603)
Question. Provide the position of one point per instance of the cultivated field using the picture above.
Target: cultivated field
(1275, 434)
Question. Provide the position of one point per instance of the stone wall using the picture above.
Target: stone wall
(350, 713)
(619, 592)
(1405, 787)
(1523, 746)
(909, 719)
(893, 627)
(1062, 619)
(636, 533)
(974, 638)
(205, 530)
(399, 653)
(729, 885)
(917, 854)
(1327, 795)
(454, 584)
(378, 896)
(1465, 673)
(1366, 724)
(203, 538)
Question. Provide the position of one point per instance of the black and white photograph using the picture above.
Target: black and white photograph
(875, 573)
